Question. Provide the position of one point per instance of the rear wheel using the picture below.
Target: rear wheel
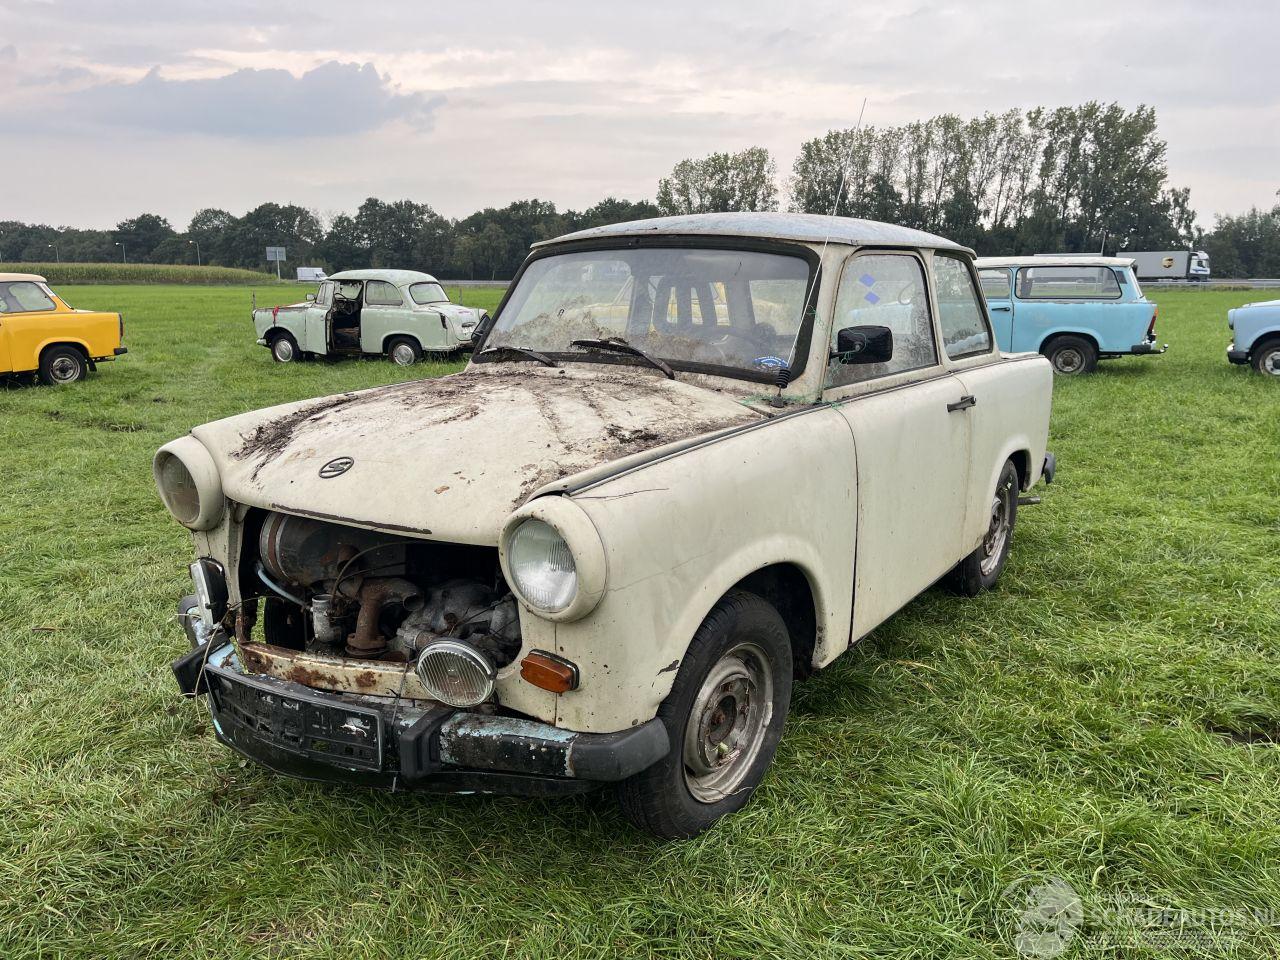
(62, 365)
(1071, 355)
(284, 349)
(724, 716)
(1266, 359)
(404, 351)
(981, 569)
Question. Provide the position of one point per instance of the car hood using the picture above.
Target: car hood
(451, 457)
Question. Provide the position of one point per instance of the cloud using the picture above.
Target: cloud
(9, 54)
(331, 100)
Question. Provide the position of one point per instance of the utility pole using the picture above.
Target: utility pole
(124, 255)
(56, 255)
(197, 244)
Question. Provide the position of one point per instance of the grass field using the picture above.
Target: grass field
(1107, 716)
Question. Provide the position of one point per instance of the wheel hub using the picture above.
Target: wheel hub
(728, 722)
(997, 536)
(63, 369)
(1069, 361)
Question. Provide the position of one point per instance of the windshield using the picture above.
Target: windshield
(740, 309)
(428, 293)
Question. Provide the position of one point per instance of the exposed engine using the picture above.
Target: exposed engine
(359, 593)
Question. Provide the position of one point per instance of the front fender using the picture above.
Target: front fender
(679, 533)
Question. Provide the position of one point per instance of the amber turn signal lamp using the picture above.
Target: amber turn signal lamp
(549, 672)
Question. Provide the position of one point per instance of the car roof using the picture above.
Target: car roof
(22, 276)
(398, 277)
(807, 227)
(1053, 260)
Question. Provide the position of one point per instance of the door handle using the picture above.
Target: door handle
(1001, 309)
(964, 403)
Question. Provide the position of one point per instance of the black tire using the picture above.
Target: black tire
(403, 351)
(284, 349)
(1071, 355)
(742, 634)
(61, 365)
(981, 569)
(1266, 359)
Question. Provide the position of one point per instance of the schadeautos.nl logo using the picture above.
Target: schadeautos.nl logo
(1044, 915)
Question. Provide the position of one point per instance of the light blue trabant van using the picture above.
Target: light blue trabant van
(1256, 339)
(1074, 310)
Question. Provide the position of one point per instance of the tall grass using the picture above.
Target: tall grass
(57, 273)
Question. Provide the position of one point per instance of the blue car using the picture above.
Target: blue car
(1074, 310)
(1257, 336)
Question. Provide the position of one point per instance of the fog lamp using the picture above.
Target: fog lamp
(455, 673)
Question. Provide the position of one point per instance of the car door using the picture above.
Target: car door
(910, 438)
(996, 288)
(315, 333)
(383, 314)
(6, 351)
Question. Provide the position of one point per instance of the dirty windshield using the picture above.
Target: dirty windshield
(736, 309)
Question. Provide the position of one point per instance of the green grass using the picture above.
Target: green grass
(114, 273)
(1101, 717)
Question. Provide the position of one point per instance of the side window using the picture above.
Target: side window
(995, 284)
(23, 296)
(379, 293)
(1068, 283)
(325, 296)
(886, 290)
(964, 328)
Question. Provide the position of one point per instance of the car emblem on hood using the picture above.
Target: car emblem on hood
(336, 467)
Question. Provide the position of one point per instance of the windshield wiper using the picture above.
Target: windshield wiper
(520, 351)
(618, 345)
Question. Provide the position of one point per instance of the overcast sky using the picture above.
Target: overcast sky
(115, 108)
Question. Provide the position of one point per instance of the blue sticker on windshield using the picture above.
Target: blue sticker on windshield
(871, 298)
(867, 280)
(775, 363)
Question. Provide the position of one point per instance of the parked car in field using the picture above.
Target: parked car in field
(1256, 336)
(41, 334)
(693, 459)
(1074, 310)
(401, 314)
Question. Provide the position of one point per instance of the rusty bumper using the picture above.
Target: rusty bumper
(381, 742)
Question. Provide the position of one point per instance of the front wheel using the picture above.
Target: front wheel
(284, 349)
(62, 365)
(724, 716)
(1266, 359)
(1071, 356)
(981, 569)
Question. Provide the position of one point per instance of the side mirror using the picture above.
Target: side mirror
(867, 344)
(311, 298)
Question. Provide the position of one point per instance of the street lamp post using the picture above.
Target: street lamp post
(56, 255)
(197, 246)
(124, 255)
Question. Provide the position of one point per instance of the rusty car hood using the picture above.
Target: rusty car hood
(451, 457)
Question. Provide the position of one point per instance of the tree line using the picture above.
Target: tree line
(1088, 178)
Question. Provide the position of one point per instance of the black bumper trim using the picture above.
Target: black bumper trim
(121, 351)
(1148, 347)
(299, 731)
(1050, 468)
(1238, 356)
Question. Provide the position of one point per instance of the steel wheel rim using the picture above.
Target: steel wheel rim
(1068, 360)
(993, 543)
(283, 350)
(1271, 363)
(403, 354)
(728, 723)
(64, 369)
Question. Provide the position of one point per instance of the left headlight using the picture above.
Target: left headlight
(553, 559)
(188, 481)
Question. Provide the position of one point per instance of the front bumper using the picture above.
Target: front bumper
(379, 742)
(1236, 356)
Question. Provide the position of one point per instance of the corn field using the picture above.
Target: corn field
(57, 273)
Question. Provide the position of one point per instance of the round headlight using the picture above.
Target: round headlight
(189, 484)
(455, 673)
(542, 566)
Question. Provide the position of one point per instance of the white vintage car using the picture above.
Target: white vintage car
(693, 460)
(401, 314)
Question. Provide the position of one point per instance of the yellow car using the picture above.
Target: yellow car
(40, 333)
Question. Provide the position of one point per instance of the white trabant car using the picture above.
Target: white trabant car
(401, 314)
(692, 460)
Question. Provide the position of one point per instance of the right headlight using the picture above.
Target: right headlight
(553, 559)
(189, 485)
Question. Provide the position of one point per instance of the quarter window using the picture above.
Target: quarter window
(885, 290)
(379, 293)
(24, 296)
(1068, 283)
(325, 297)
(964, 328)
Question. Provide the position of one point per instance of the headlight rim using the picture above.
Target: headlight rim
(585, 546)
(195, 459)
